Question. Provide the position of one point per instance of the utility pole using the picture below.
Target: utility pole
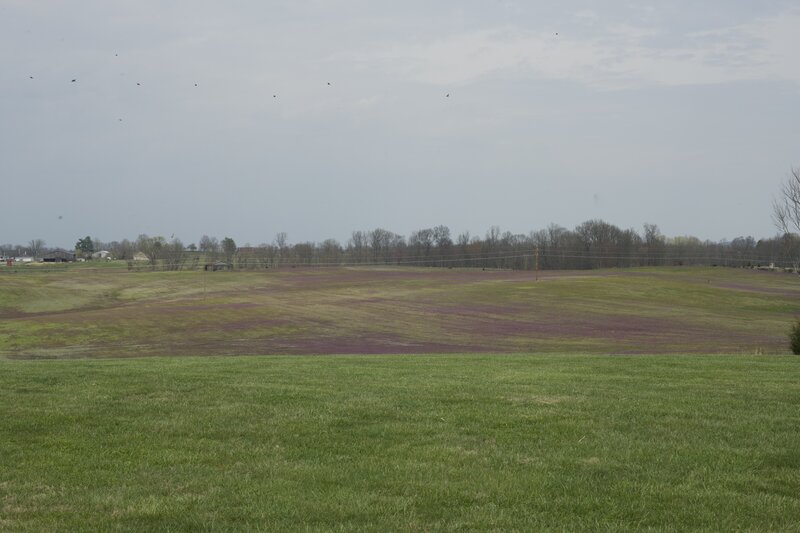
(536, 255)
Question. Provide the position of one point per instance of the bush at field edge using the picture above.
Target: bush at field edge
(794, 338)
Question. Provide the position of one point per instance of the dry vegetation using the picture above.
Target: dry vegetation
(395, 310)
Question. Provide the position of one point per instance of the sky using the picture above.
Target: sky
(317, 118)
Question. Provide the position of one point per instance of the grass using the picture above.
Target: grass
(100, 313)
(446, 442)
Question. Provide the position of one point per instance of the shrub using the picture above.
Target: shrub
(794, 338)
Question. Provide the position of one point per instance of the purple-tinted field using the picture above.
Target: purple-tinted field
(399, 311)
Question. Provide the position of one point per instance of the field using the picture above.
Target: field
(104, 313)
(660, 399)
(401, 443)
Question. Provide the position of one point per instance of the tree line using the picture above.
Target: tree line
(592, 244)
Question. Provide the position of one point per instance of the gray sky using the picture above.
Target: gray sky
(679, 113)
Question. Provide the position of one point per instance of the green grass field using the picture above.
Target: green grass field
(106, 313)
(444, 442)
(558, 404)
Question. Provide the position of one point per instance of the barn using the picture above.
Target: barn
(59, 256)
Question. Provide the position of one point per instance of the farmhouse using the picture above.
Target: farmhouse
(139, 256)
(102, 254)
(59, 256)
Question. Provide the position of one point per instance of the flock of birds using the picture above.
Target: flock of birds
(139, 84)
(75, 80)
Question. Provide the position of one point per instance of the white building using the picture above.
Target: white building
(102, 254)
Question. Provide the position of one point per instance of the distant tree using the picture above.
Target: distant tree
(441, 236)
(281, 240)
(210, 247)
(743, 250)
(630, 242)
(208, 244)
(122, 250)
(331, 251)
(600, 243)
(382, 241)
(264, 255)
(786, 209)
(36, 246)
(99, 245)
(421, 243)
(229, 249)
(151, 247)
(654, 244)
(192, 247)
(11, 250)
(85, 247)
(491, 244)
(304, 252)
(357, 246)
(173, 254)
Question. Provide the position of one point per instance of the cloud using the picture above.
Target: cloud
(621, 57)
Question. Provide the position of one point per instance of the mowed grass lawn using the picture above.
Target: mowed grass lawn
(444, 442)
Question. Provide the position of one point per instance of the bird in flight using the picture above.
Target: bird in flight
(60, 217)
(329, 83)
(447, 95)
(31, 77)
(73, 81)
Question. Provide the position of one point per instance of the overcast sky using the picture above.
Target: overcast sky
(200, 117)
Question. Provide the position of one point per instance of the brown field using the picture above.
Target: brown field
(83, 313)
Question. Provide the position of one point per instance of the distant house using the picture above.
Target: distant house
(102, 254)
(139, 256)
(23, 259)
(59, 256)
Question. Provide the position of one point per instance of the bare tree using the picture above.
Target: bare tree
(210, 247)
(35, 246)
(151, 247)
(263, 255)
(282, 244)
(281, 240)
(382, 241)
(174, 255)
(421, 243)
(122, 250)
(654, 244)
(331, 251)
(786, 208)
(357, 246)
